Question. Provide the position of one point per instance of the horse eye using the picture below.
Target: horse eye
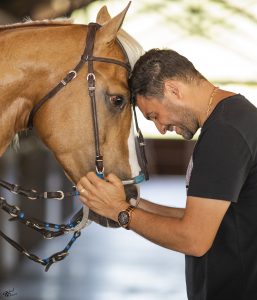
(117, 101)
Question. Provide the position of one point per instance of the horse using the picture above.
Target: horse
(87, 114)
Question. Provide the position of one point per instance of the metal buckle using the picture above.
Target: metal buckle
(15, 189)
(62, 195)
(99, 173)
(37, 226)
(91, 74)
(74, 74)
(48, 235)
(17, 211)
(33, 198)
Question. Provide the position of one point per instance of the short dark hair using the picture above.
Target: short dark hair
(154, 67)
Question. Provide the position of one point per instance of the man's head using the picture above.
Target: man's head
(161, 84)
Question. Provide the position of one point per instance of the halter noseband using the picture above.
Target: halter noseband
(87, 57)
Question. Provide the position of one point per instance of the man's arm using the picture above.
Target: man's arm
(158, 209)
(193, 234)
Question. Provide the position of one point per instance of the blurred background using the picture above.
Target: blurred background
(219, 37)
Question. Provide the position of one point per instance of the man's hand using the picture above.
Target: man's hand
(106, 198)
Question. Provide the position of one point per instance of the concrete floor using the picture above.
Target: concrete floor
(108, 264)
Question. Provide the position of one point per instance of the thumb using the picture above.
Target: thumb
(115, 180)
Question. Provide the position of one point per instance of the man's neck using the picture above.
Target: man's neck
(205, 98)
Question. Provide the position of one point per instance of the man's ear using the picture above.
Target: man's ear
(103, 16)
(172, 87)
(108, 32)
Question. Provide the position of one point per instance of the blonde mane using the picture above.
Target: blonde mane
(133, 49)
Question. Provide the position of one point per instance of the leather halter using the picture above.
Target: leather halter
(89, 58)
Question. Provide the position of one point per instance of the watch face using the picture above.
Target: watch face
(123, 218)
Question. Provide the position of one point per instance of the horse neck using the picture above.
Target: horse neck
(35, 59)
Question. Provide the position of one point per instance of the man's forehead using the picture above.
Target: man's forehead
(147, 101)
(147, 105)
(142, 103)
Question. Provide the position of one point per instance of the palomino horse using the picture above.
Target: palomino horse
(87, 113)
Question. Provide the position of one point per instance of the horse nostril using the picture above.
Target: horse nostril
(131, 192)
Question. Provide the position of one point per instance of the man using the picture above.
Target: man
(218, 228)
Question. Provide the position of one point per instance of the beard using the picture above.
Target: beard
(189, 127)
(187, 134)
(184, 132)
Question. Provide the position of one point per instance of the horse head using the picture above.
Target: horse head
(65, 123)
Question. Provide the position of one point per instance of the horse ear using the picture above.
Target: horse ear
(109, 30)
(103, 16)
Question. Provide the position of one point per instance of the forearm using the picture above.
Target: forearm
(165, 231)
(191, 230)
(161, 210)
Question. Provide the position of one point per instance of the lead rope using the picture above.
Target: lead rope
(34, 195)
(48, 230)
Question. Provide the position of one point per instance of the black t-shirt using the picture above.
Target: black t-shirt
(224, 166)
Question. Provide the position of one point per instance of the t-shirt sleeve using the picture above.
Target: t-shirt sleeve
(221, 162)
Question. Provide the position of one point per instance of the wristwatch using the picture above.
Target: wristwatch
(124, 217)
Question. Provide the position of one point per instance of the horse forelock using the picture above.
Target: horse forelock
(133, 49)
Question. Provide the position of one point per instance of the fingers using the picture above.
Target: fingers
(91, 185)
(93, 178)
(85, 186)
(91, 182)
(102, 196)
(115, 180)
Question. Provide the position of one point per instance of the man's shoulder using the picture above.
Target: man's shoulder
(235, 118)
(235, 111)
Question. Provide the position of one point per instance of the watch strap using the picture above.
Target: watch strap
(129, 210)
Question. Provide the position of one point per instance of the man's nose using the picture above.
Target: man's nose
(161, 128)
